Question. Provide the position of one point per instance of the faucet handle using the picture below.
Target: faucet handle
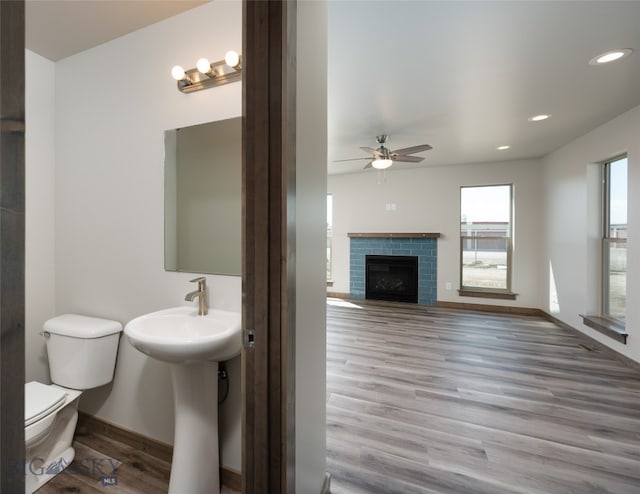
(201, 281)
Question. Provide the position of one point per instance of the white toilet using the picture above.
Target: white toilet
(82, 355)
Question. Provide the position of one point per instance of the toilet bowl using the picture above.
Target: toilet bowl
(82, 355)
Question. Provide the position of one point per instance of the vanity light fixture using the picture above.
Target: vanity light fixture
(207, 75)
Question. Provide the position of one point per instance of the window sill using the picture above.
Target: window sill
(487, 294)
(609, 328)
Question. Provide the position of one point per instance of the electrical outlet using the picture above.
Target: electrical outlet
(448, 286)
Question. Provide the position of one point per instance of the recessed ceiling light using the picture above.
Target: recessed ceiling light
(538, 118)
(503, 148)
(610, 56)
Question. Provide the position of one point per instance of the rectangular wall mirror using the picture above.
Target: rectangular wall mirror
(203, 198)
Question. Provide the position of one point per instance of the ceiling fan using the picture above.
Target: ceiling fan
(383, 157)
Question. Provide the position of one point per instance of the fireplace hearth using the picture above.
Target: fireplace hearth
(392, 278)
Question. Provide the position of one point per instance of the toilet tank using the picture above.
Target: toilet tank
(82, 350)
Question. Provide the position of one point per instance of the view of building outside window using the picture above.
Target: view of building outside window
(485, 237)
(614, 245)
(329, 234)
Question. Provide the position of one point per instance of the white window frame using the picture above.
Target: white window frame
(329, 238)
(509, 248)
(607, 240)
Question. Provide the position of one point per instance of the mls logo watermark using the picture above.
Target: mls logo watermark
(102, 469)
(109, 480)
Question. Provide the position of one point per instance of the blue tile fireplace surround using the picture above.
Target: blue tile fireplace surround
(422, 245)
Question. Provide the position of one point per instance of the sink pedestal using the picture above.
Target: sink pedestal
(193, 344)
(195, 465)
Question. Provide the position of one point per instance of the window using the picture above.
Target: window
(614, 240)
(329, 235)
(485, 239)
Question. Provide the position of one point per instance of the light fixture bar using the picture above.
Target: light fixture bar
(219, 74)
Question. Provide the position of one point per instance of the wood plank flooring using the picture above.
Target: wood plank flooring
(97, 456)
(431, 400)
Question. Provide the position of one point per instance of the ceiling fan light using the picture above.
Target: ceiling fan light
(382, 164)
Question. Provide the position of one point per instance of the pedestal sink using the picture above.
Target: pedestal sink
(193, 345)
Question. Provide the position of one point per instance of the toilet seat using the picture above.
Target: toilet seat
(41, 400)
(42, 403)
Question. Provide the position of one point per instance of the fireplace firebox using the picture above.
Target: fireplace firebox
(392, 278)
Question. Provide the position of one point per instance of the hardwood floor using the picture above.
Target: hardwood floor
(430, 400)
(100, 459)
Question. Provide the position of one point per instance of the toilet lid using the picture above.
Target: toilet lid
(40, 400)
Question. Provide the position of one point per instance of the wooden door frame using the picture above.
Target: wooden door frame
(12, 77)
(268, 279)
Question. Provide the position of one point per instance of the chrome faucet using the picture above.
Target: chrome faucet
(203, 295)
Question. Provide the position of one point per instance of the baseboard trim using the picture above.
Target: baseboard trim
(337, 295)
(326, 486)
(158, 449)
(501, 309)
(593, 342)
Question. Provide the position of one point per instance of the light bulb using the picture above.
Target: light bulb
(177, 73)
(381, 164)
(232, 59)
(203, 65)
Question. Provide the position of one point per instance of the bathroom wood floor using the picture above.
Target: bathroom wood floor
(428, 400)
(100, 460)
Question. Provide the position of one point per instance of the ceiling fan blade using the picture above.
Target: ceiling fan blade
(372, 152)
(369, 165)
(407, 159)
(350, 159)
(412, 149)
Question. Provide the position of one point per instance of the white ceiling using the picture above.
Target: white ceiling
(57, 29)
(460, 76)
(465, 76)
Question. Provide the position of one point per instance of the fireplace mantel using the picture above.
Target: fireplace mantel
(393, 235)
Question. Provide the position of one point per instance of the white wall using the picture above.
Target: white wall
(113, 104)
(311, 190)
(571, 250)
(39, 207)
(428, 200)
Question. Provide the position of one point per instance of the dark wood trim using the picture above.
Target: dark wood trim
(338, 295)
(487, 294)
(501, 309)
(394, 235)
(231, 478)
(152, 447)
(269, 250)
(606, 327)
(12, 368)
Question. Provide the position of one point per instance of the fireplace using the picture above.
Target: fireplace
(424, 246)
(393, 278)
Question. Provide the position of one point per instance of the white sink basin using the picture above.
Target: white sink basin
(180, 335)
